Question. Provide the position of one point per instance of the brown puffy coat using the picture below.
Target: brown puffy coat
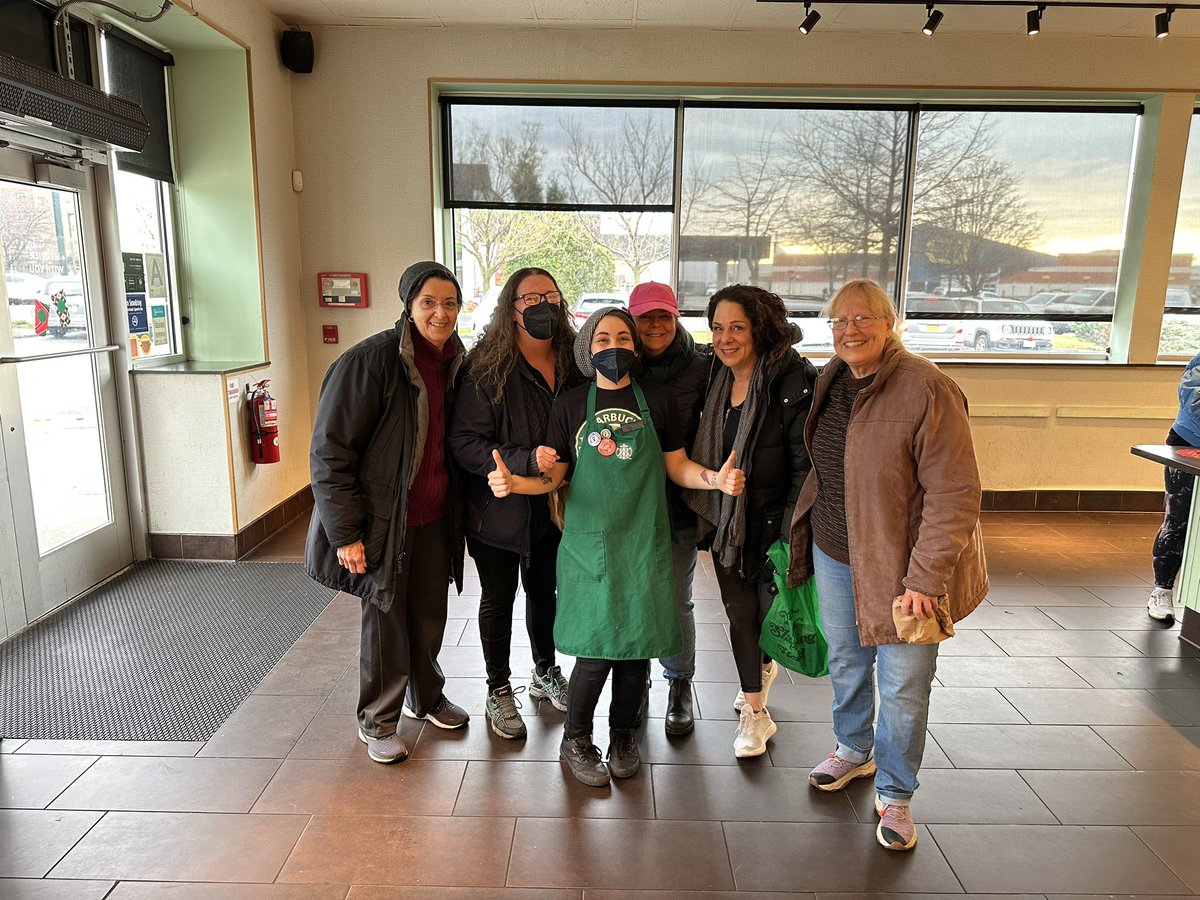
(912, 493)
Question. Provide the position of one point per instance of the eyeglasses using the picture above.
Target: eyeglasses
(839, 323)
(527, 300)
(429, 304)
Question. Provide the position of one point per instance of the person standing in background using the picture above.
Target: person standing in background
(521, 363)
(386, 525)
(670, 358)
(1168, 544)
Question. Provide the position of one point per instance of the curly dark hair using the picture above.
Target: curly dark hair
(773, 335)
(495, 354)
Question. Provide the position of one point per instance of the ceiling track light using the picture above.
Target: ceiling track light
(1162, 22)
(934, 20)
(1033, 20)
(811, 18)
(1033, 17)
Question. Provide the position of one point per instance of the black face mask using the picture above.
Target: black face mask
(540, 320)
(614, 363)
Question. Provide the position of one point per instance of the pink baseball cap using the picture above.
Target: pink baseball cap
(652, 295)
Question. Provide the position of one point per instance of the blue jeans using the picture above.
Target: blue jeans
(905, 674)
(683, 562)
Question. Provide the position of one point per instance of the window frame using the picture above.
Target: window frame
(682, 99)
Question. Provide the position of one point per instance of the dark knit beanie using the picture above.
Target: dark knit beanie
(417, 274)
(583, 340)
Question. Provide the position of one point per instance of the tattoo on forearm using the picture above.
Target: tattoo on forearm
(710, 478)
(546, 479)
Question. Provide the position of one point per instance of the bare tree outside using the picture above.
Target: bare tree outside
(26, 218)
(749, 200)
(983, 223)
(634, 169)
(854, 160)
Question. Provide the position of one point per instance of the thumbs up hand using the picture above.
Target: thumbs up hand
(731, 480)
(546, 458)
(500, 480)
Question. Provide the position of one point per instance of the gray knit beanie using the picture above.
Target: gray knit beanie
(583, 340)
(418, 273)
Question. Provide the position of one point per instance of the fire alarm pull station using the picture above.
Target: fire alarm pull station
(348, 289)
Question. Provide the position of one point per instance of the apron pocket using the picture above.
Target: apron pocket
(581, 556)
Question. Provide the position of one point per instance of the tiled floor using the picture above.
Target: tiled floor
(1063, 761)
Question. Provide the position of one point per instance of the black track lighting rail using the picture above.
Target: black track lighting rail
(1025, 4)
(1033, 18)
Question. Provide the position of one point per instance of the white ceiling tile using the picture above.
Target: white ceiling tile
(302, 12)
(490, 12)
(585, 10)
(389, 9)
(685, 13)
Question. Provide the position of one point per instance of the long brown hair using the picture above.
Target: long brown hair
(495, 354)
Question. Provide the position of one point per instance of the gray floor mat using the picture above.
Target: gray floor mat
(164, 652)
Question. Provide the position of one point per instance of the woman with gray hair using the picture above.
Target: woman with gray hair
(617, 440)
(888, 523)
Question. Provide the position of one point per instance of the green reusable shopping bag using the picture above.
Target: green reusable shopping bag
(791, 633)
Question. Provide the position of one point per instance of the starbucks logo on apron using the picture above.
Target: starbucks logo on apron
(624, 451)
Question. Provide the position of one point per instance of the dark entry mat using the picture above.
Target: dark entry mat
(164, 652)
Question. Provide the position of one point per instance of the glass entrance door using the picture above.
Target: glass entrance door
(62, 480)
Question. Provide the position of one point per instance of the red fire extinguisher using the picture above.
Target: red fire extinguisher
(264, 423)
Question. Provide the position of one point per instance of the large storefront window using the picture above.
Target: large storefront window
(999, 230)
(583, 191)
(1180, 334)
(1018, 225)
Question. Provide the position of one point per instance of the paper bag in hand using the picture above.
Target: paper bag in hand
(912, 630)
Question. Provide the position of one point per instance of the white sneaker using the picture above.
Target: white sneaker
(1161, 605)
(753, 731)
(769, 674)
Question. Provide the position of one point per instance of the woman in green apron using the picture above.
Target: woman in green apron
(616, 440)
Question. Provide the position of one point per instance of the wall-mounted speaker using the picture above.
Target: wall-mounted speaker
(296, 50)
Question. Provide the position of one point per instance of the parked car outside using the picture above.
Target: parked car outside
(1178, 298)
(63, 300)
(589, 303)
(1042, 299)
(22, 287)
(1003, 334)
(931, 334)
(1087, 301)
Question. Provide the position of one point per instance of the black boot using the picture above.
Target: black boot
(680, 719)
(623, 757)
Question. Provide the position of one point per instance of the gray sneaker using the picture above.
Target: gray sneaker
(443, 714)
(502, 713)
(552, 686)
(389, 749)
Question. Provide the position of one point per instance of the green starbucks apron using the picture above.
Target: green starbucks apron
(616, 587)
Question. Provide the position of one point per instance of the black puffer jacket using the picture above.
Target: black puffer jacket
(516, 428)
(684, 369)
(368, 438)
(779, 461)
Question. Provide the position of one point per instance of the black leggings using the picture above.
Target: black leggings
(746, 606)
(1168, 545)
(587, 681)
(498, 570)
